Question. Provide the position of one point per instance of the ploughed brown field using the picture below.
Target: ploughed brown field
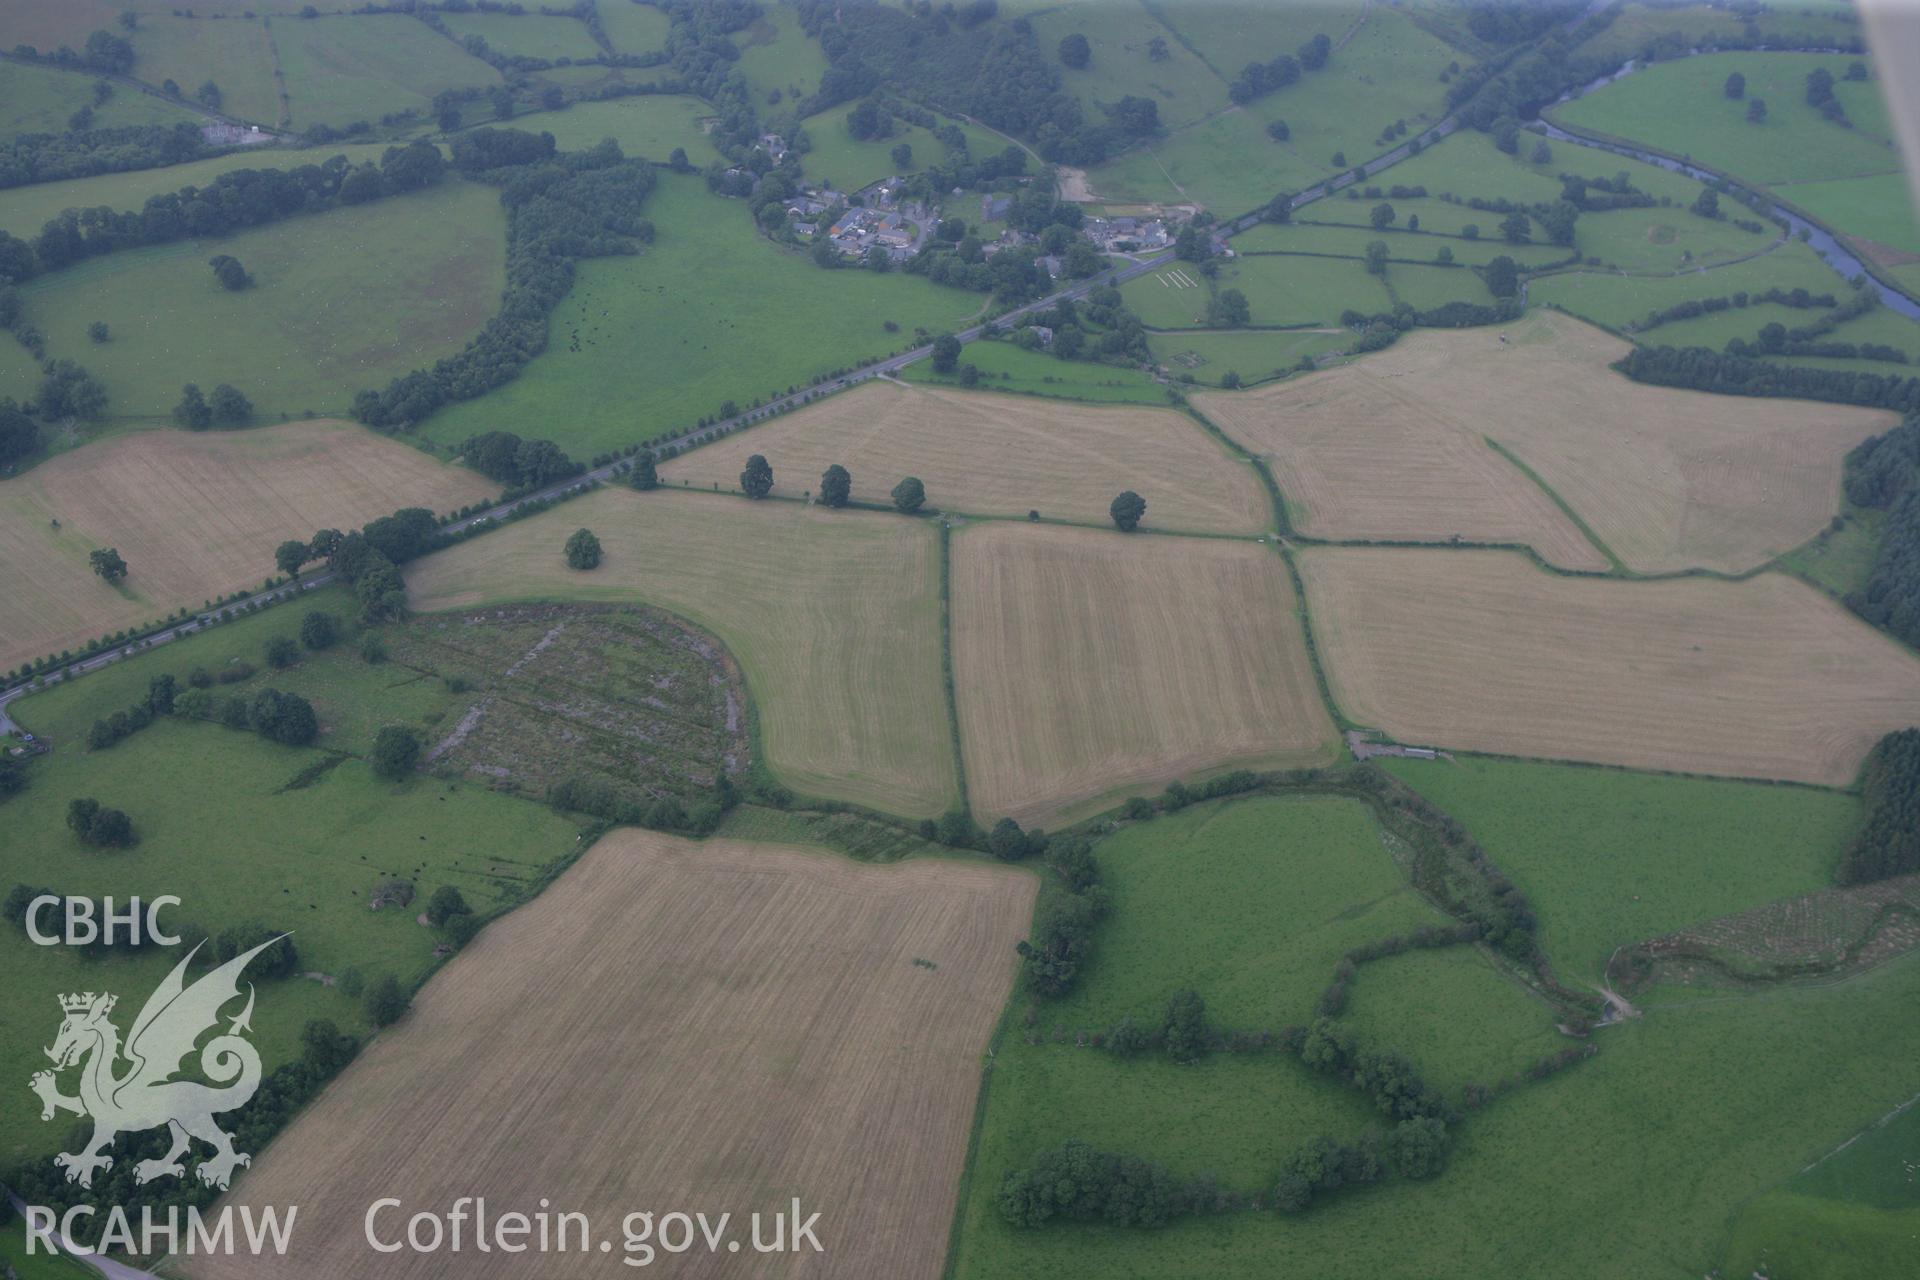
(1091, 663)
(195, 515)
(1395, 447)
(673, 1026)
(989, 453)
(1483, 651)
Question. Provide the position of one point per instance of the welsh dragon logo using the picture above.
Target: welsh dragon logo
(145, 1095)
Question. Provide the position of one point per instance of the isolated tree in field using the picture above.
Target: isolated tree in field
(396, 749)
(1503, 277)
(319, 631)
(1542, 153)
(290, 555)
(677, 160)
(946, 353)
(1735, 87)
(98, 331)
(646, 474)
(286, 718)
(107, 563)
(228, 271)
(230, 408)
(1819, 86)
(1280, 208)
(836, 486)
(1157, 50)
(583, 550)
(209, 95)
(1706, 204)
(1757, 111)
(902, 156)
(193, 411)
(162, 690)
(1007, 841)
(80, 814)
(1127, 510)
(1381, 216)
(445, 904)
(385, 1001)
(1377, 257)
(282, 652)
(909, 495)
(1230, 380)
(1230, 310)
(1413, 222)
(757, 480)
(1075, 51)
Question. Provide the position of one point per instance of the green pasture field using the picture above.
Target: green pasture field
(1006, 367)
(1467, 164)
(532, 35)
(1877, 209)
(1285, 289)
(1609, 857)
(1811, 1238)
(1228, 37)
(775, 54)
(662, 334)
(1183, 86)
(244, 830)
(36, 99)
(1799, 25)
(1665, 239)
(1428, 287)
(1281, 290)
(1679, 107)
(839, 161)
(1840, 561)
(1454, 1013)
(1389, 71)
(649, 125)
(1250, 903)
(343, 68)
(1255, 354)
(13, 1253)
(48, 26)
(1852, 1216)
(19, 374)
(1682, 1116)
(1617, 300)
(633, 28)
(342, 300)
(353, 698)
(1402, 245)
(235, 53)
(25, 210)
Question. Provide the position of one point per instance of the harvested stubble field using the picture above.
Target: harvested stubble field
(675, 993)
(833, 615)
(194, 515)
(998, 455)
(1359, 455)
(1092, 663)
(1666, 479)
(1482, 651)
